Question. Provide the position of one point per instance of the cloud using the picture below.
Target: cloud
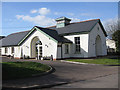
(43, 11)
(111, 25)
(19, 16)
(33, 11)
(110, 21)
(40, 20)
(75, 20)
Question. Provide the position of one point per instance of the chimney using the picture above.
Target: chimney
(62, 22)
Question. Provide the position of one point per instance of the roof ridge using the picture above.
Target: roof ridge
(50, 26)
(76, 22)
(46, 28)
(84, 21)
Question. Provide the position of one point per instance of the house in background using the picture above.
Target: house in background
(83, 39)
(111, 48)
(1, 37)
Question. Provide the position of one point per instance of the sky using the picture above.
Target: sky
(22, 16)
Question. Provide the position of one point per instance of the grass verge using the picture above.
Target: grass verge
(15, 70)
(103, 61)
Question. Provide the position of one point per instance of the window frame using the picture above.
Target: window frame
(66, 48)
(77, 45)
(6, 50)
(12, 50)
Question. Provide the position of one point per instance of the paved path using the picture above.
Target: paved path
(65, 73)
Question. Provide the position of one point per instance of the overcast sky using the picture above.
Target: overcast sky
(21, 16)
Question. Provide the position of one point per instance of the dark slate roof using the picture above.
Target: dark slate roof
(13, 39)
(84, 26)
(54, 34)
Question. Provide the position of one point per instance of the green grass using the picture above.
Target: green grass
(104, 61)
(15, 70)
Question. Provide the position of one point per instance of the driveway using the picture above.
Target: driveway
(65, 73)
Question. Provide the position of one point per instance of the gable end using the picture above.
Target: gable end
(100, 26)
(34, 29)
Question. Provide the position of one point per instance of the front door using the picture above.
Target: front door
(39, 51)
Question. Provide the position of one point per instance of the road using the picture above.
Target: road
(108, 81)
(76, 76)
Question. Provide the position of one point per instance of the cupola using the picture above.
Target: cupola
(62, 22)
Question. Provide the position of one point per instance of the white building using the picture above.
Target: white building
(83, 39)
(111, 47)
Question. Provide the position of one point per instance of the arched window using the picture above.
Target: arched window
(35, 44)
(39, 42)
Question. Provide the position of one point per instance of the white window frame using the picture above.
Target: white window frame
(77, 45)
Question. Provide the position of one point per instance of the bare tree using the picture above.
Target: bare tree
(111, 26)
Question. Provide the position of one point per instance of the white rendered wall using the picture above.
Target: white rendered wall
(64, 55)
(87, 44)
(2, 51)
(92, 38)
(83, 45)
(8, 51)
(17, 51)
(49, 46)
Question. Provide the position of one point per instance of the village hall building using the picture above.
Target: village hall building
(83, 39)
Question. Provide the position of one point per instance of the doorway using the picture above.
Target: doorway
(36, 48)
(98, 46)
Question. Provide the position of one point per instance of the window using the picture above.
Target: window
(66, 48)
(77, 44)
(39, 42)
(40, 48)
(12, 49)
(6, 50)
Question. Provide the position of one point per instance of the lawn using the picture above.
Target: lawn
(104, 61)
(15, 70)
